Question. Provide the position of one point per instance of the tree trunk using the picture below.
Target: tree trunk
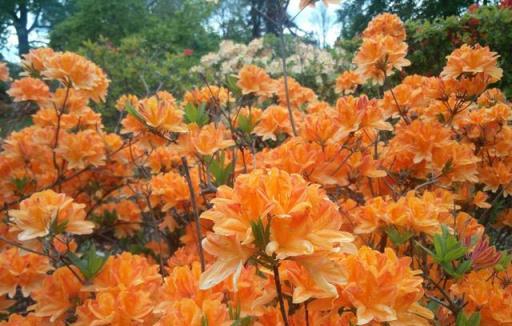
(256, 18)
(22, 29)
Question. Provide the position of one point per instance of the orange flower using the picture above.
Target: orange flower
(22, 269)
(45, 210)
(82, 149)
(4, 72)
(124, 308)
(75, 71)
(59, 293)
(161, 115)
(252, 79)
(36, 59)
(209, 139)
(385, 24)
(231, 256)
(347, 82)
(472, 61)
(29, 89)
(379, 56)
(127, 272)
(171, 190)
(290, 203)
(298, 94)
(383, 287)
(487, 294)
(314, 276)
(128, 215)
(274, 120)
(186, 312)
(127, 99)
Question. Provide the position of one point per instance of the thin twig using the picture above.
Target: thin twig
(196, 213)
(277, 282)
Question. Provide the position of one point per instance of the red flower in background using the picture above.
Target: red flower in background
(188, 52)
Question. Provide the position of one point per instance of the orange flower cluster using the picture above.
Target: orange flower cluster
(258, 203)
(383, 49)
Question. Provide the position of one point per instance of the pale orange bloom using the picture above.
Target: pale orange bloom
(127, 271)
(319, 127)
(161, 115)
(379, 56)
(252, 294)
(71, 69)
(125, 308)
(486, 294)
(472, 60)
(59, 292)
(314, 276)
(36, 59)
(385, 24)
(209, 95)
(171, 190)
(127, 99)
(29, 89)
(82, 149)
(231, 256)
(4, 72)
(298, 94)
(252, 79)
(23, 269)
(274, 120)
(43, 210)
(382, 286)
(128, 215)
(208, 139)
(186, 312)
(347, 82)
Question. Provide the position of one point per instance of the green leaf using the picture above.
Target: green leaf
(473, 320)
(91, 262)
(398, 237)
(219, 170)
(196, 114)
(20, 183)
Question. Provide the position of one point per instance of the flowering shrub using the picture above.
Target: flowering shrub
(313, 66)
(257, 203)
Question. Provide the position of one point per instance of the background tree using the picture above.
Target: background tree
(92, 19)
(28, 16)
(354, 15)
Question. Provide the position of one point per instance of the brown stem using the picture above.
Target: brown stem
(196, 214)
(277, 282)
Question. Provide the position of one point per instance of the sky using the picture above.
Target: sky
(306, 20)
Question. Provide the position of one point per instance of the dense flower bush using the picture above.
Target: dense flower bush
(255, 202)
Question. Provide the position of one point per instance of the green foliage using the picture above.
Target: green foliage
(398, 237)
(488, 26)
(449, 253)
(220, 171)
(463, 320)
(261, 233)
(355, 15)
(196, 114)
(90, 263)
(91, 20)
